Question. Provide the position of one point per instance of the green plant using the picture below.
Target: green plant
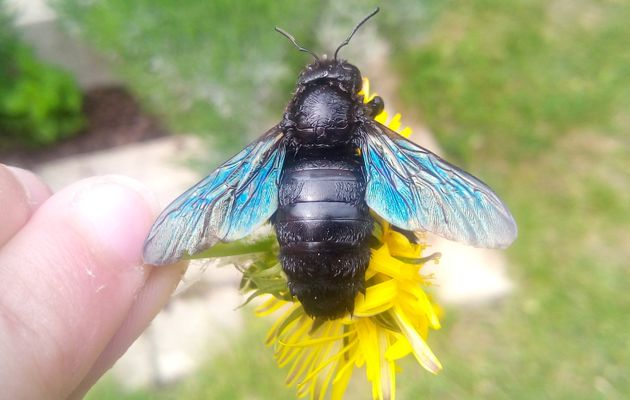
(39, 103)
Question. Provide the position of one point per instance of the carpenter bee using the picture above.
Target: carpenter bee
(317, 176)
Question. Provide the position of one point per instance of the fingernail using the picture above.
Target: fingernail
(35, 190)
(118, 212)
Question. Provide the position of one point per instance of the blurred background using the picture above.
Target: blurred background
(532, 96)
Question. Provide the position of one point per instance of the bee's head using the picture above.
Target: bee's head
(338, 71)
(334, 70)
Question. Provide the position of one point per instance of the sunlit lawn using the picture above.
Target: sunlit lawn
(532, 96)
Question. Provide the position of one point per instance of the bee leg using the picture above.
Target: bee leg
(422, 260)
(375, 106)
(374, 243)
(410, 235)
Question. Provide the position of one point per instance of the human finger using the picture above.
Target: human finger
(69, 279)
(21, 193)
(152, 298)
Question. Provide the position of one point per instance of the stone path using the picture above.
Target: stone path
(202, 319)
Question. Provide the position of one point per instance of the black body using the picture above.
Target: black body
(323, 225)
(323, 222)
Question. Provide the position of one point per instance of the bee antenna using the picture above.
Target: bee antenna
(356, 28)
(295, 43)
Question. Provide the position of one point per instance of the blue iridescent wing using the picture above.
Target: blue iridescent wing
(227, 205)
(416, 190)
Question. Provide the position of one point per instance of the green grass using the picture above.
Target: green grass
(532, 96)
(215, 68)
(535, 95)
(508, 78)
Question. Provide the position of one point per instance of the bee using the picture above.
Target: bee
(317, 176)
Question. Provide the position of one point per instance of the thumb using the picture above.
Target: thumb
(68, 280)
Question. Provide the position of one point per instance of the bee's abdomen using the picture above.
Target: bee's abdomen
(323, 225)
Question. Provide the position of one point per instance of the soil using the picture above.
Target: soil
(114, 118)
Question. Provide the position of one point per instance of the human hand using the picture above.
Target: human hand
(74, 293)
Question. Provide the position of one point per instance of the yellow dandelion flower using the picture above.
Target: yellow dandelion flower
(393, 123)
(390, 321)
